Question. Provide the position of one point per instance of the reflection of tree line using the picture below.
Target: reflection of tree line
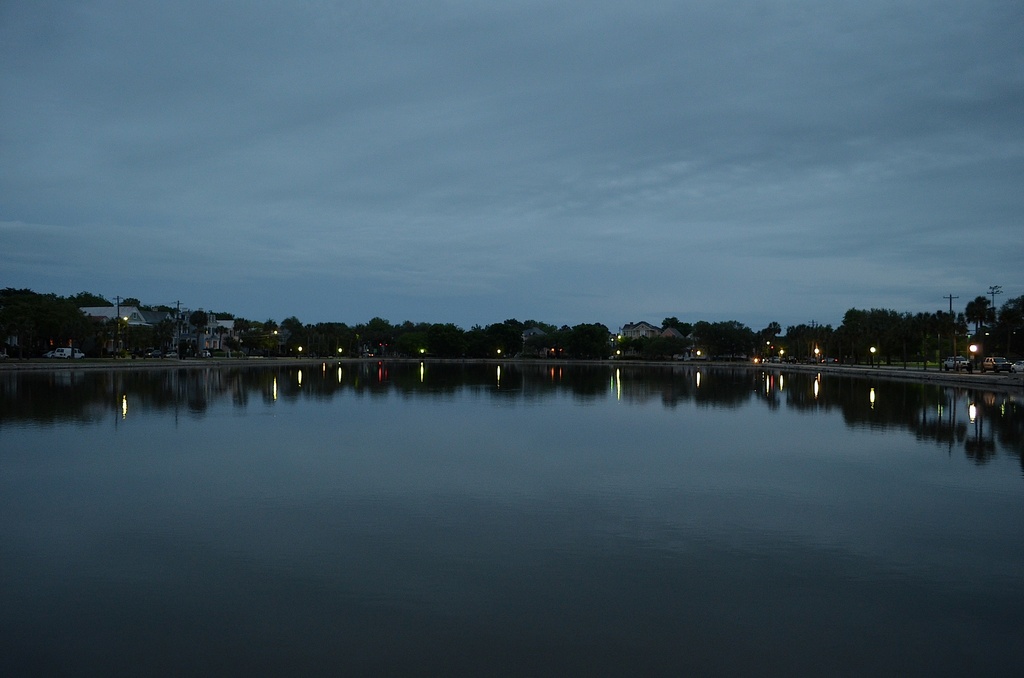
(929, 412)
(967, 419)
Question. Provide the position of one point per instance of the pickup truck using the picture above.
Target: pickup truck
(956, 362)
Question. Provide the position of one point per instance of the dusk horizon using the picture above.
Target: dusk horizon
(778, 162)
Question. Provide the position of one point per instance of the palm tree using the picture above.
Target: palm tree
(1011, 319)
(977, 312)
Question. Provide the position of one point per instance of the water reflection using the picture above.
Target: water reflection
(432, 518)
(982, 423)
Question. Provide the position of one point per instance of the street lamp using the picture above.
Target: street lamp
(974, 351)
(872, 356)
(817, 351)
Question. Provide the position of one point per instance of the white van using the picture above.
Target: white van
(67, 353)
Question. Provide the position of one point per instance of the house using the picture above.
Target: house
(640, 329)
(212, 335)
(534, 333)
(132, 315)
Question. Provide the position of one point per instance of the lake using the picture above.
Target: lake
(507, 519)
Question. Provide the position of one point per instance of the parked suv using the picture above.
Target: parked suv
(996, 364)
(956, 362)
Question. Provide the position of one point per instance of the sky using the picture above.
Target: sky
(469, 162)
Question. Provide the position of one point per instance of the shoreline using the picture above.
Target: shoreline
(1004, 382)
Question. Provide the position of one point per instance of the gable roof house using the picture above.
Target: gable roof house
(134, 315)
(640, 329)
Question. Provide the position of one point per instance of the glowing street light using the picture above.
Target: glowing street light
(872, 356)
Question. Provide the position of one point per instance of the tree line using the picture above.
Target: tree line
(38, 321)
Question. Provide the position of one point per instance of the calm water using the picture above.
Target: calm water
(400, 519)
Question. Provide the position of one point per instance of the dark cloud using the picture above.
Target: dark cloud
(450, 161)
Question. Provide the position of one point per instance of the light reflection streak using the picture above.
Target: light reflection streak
(871, 397)
(124, 406)
(698, 378)
(422, 371)
(972, 412)
(499, 376)
(274, 393)
(816, 388)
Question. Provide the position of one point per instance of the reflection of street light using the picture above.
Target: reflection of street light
(872, 356)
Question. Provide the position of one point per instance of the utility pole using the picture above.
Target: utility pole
(993, 290)
(952, 319)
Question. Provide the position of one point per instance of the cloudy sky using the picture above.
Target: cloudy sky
(468, 162)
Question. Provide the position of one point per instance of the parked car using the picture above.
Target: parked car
(152, 353)
(65, 352)
(995, 364)
(956, 362)
(1017, 367)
